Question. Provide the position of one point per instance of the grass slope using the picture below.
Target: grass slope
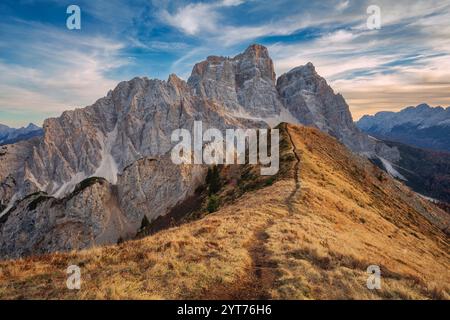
(310, 234)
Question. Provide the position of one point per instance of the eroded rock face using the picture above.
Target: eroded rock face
(309, 98)
(154, 186)
(97, 212)
(245, 84)
(13, 169)
(118, 136)
(134, 120)
(40, 224)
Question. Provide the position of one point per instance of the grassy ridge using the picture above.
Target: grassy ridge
(317, 246)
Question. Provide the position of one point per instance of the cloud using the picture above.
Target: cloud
(403, 63)
(198, 17)
(343, 5)
(66, 70)
(373, 69)
(405, 86)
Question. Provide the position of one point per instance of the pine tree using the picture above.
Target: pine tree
(213, 204)
(145, 223)
(213, 180)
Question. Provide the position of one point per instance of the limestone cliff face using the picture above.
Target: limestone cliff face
(245, 84)
(134, 120)
(118, 135)
(309, 98)
(97, 212)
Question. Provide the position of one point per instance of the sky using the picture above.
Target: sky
(45, 68)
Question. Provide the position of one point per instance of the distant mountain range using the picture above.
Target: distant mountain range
(421, 126)
(12, 135)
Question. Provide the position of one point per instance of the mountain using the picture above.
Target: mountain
(421, 126)
(310, 233)
(10, 135)
(98, 171)
(247, 86)
(53, 197)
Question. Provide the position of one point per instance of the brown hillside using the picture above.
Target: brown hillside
(309, 235)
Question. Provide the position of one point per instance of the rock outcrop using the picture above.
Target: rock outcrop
(245, 84)
(97, 212)
(309, 98)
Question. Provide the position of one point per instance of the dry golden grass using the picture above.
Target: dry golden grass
(270, 243)
(183, 262)
(347, 219)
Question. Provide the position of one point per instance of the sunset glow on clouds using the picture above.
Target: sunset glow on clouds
(46, 68)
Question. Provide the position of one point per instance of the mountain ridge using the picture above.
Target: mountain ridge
(317, 246)
(10, 135)
(243, 83)
(421, 126)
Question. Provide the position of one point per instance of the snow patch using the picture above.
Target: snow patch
(69, 186)
(108, 168)
(390, 169)
(10, 205)
(33, 179)
(428, 198)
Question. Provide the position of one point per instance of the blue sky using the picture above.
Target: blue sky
(46, 68)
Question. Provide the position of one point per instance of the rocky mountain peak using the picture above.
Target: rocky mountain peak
(137, 117)
(423, 106)
(258, 50)
(178, 83)
(245, 83)
(257, 57)
(305, 77)
(421, 126)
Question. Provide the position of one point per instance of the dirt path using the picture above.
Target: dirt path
(258, 282)
(263, 272)
(296, 192)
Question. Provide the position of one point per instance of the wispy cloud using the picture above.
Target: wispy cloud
(403, 86)
(54, 70)
(198, 17)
